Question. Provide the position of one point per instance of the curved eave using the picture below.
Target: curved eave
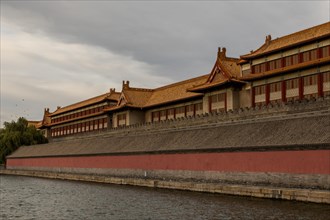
(219, 84)
(44, 126)
(78, 118)
(116, 108)
(287, 69)
(82, 106)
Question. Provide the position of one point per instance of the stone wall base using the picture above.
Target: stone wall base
(294, 194)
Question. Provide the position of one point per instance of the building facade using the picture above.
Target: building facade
(289, 68)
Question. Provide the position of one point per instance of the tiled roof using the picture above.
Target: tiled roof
(107, 96)
(137, 97)
(225, 70)
(144, 98)
(175, 92)
(290, 40)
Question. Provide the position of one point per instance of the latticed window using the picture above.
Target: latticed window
(218, 97)
(170, 112)
(292, 83)
(122, 117)
(275, 87)
(199, 107)
(310, 80)
(162, 115)
(313, 54)
(275, 64)
(259, 90)
(105, 123)
(288, 61)
(180, 112)
(325, 51)
(218, 102)
(326, 77)
(256, 69)
(295, 59)
(190, 110)
(155, 116)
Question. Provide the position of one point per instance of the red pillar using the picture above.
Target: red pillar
(194, 105)
(253, 103)
(283, 91)
(267, 90)
(210, 104)
(225, 101)
(301, 88)
(320, 84)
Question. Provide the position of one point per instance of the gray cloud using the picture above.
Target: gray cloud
(149, 43)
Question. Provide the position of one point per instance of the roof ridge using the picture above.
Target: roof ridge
(263, 48)
(108, 93)
(139, 89)
(301, 31)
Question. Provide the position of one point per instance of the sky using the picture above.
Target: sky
(55, 53)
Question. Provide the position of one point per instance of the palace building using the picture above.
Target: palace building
(289, 68)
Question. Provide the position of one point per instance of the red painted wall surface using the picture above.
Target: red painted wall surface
(305, 162)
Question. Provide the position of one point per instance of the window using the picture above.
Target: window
(190, 110)
(326, 77)
(96, 124)
(170, 113)
(91, 125)
(100, 124)
(288, 61)
(295, 59)
(306, 56)
(260, 68)
(163, 115)
(218, 102)
(155, 116)
(275, 64)
(121, 119)
(292, 84)
(313, 54)
(199, 108)
(275, 87)
(310, 80)
(259, 90)
(256, 69)
(180, 112)
(325, 51)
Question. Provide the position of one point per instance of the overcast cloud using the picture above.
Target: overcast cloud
(60, 52)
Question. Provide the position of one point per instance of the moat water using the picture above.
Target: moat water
(35, 198)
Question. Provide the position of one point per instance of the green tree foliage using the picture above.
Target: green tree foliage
(16, 134)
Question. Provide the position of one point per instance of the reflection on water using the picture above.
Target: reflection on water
(34, 198)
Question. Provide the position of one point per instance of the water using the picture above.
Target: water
(35, 198)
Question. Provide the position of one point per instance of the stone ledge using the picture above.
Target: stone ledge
(293, 194)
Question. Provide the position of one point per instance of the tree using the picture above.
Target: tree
(16, 134)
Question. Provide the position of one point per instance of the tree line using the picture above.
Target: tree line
(16, 134)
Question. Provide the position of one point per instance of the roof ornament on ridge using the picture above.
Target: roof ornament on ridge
(221, 53)
(268, 39)
(125, 84)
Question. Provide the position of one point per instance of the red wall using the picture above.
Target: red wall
(308, 162)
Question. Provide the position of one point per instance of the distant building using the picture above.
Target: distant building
(293, 67)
